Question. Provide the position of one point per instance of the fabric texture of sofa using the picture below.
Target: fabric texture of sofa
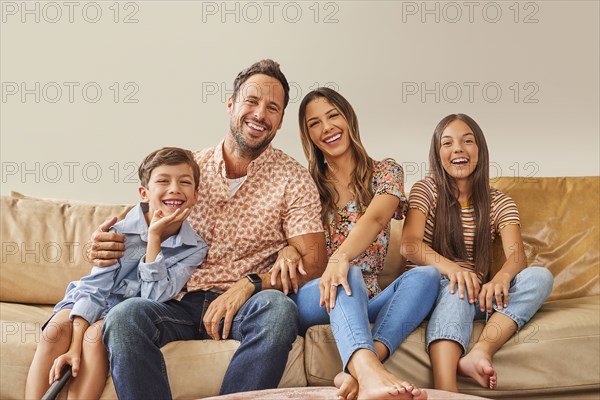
(556, 355)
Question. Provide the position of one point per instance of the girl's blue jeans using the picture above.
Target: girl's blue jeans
(452, 318)
(396, 311)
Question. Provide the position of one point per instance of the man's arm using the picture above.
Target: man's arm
(314, 257)
(311, 248)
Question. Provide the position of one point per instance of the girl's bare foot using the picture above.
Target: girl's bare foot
(348, 386)
(478, 366)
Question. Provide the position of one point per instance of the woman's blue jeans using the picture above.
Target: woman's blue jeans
(396, 311)
(136, 329)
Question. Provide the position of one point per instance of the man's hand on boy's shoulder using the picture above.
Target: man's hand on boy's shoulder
(105, 248)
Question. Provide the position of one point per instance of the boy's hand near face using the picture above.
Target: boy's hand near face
(161, 227)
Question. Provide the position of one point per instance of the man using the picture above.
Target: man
(253, 200)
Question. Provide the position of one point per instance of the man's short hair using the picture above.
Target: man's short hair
(266, 67)
(168, 156)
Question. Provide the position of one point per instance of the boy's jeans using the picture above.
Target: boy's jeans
(135, 330)
(452, 318)
(396, 311)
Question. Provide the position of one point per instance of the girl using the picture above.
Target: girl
(359, 197)
(452, 221)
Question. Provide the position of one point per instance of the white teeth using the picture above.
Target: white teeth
(173, 203)
(333, 138)
(459, 161)
(253, 126)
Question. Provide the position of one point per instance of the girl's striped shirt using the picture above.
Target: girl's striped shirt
(503, 211)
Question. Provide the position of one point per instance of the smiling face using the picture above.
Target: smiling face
(459, 152)
(256, 113)
(327, 128)
(170, 187)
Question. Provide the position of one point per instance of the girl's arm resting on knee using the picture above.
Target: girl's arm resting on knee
(516, 261)
(73, 355)
(414, 249)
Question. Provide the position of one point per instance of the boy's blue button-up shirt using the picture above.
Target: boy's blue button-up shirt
(94, 295)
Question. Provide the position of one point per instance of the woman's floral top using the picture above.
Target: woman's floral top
(388, 178)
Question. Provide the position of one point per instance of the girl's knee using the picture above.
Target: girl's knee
(541, 278)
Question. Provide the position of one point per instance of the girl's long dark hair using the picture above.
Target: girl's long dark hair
(448, 239)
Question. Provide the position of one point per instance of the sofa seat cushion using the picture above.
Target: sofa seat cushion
(556, 352)
(196, 368)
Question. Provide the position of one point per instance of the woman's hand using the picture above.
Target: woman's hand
(498, 288)
(335, 274)
(71, 357)
(464, 279)
(288, 263)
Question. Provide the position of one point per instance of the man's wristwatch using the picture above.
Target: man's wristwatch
(256, 281)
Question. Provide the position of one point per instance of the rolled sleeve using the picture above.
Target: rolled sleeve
(303, 214)
(87, 309)
(164, 278)
(91, 294)
(153, 271)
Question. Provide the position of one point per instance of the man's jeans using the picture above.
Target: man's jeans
(396, 311)
(135, 330)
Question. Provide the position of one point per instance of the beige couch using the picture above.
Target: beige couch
(555, 356)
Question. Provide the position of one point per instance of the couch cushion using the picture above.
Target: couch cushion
(44, 245)
(557, 352)
(196, 368)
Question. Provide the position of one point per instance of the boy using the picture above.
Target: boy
(163, 250)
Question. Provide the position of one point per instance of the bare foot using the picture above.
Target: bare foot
(478, 366)
(348, 386)
(387, 386)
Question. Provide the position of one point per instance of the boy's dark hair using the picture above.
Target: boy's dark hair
(168, 156)
(265, 67)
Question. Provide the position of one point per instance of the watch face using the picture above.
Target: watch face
(254, 278)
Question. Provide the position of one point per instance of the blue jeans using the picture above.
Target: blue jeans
(136, 329)
(452, 318)
(396, 311)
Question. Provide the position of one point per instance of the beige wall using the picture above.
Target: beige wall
(164, 70)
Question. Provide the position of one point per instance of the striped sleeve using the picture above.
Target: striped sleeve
(388, 178)
(422, 196)
(504, 211)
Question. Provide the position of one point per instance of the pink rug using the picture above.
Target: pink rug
(323, 393)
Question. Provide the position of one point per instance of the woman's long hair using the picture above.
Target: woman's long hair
(448, 239)
(360, 184)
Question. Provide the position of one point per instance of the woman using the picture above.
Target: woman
(359, 197)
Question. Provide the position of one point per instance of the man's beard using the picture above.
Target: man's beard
(245, 149)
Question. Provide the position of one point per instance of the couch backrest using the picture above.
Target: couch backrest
(44, 245)
(43, 241)
(560, 220)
